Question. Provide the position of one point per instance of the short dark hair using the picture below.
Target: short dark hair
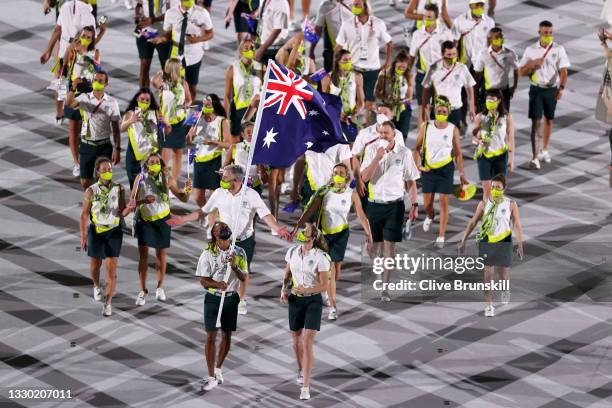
(495, 30)
(501, 178)
(105, 75)
(447, 45)
(545, 23)
(343, 165)
(388, 123)
(432, 7)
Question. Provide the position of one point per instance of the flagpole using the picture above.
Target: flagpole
(228, 271)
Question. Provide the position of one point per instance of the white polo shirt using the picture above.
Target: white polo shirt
(305, 269)
(394, 169)
(73, 17)
(330, 17)
(364, 41)
(449, 81)
(96, 125)
(368, 135)
(428, 46)
(228, 204)
(497, 66)
(275, 16)
(556, 59)
(197, 19)
(474, 33)
(213, 264)
(320, 166)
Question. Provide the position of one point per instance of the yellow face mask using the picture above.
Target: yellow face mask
(154, 168)
(357, 10)
(302, 238)
(546, 39)
(497, 195)
(338, 179)
(106, 175)
(346, 66)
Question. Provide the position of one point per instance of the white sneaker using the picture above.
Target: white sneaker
(209, 383)
(305, 394)
(97, 294)
(384, 296)
(300, 378)
(333, 315)
(439, 242)
(505, 297)
(535, 164)
(141, 299)
(489, 311)
(427, 224)
(219, 376)
(160, 294)
(242, 308)
(544, 155)
(76, 170)
(106, 310)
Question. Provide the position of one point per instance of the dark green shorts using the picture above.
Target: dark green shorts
(419, 87)
(438, 180)
(496, 253)
(337, 244)
(132, 166)
(369, 83)
(305, 312)
(72, 114)
(236, 120)
(249, 248)
(192, 73)
(542, 102)
(490, 167)
(88, 155)
(153, 234)
(146, 50)
(229, 315)
(206, 174)
(104, 245)
(176, 138)
(386, 221)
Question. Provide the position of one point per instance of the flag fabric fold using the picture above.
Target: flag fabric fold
(293, 117)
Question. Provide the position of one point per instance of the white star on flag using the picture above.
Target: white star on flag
(326, 133)
(309, 145)
(313, 113)
(269, 139)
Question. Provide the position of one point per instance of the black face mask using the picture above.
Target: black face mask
(225, 232)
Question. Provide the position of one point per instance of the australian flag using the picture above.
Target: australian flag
(294, 117)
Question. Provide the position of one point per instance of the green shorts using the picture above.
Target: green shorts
(496, 253)
(369, 83)
(88, 155)
(542, 102)
(337, 244)
(386, 220)
(104, 245)
(206, 174)
(154, 234)
(229, 315)
(249, 248)
(305, 312)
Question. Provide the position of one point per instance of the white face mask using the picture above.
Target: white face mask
(383, 143)
(381, 118)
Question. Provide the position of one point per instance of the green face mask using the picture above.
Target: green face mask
(207, 110)
(144, 105)
(98, 86)
(478, 12)
(450, 61)
(441, 118)
(496, 194)
(302, 238)
(339, 179)
(429, 23)
(250, 54)
(546, 39)
(85, 42)
(357, 10)
(492, 105)
(497, 42)
(400, 71)
(106, 175)
(154, 168)
(226, 185)
(346, 66)
(187, 3)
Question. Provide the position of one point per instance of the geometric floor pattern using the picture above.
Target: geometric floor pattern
(551, 350)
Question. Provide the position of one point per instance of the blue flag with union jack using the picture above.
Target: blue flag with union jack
(293, 118)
